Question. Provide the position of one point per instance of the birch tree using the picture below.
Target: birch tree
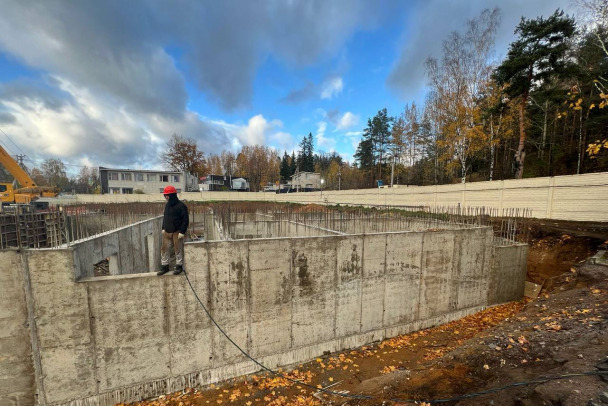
(457, 82)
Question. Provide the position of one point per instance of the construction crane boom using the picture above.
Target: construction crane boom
(28, 191)
(14, 169)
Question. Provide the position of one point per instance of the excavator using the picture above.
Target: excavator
(28, 192)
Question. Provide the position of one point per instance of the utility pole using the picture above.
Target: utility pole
(19, 158)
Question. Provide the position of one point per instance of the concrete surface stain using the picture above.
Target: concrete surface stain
(239, 268)
(300, 263)
(352, 268)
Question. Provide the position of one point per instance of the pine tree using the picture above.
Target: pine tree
(285, 170)
(535, 57)
(306, 159)
(365, 156)
(292, 164)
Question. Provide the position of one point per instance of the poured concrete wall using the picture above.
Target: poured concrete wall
(17, 384)
(508, 265)
(122, 338)
(130, 249)
(279, 228)
(380, 225)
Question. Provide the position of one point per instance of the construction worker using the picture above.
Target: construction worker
(175, 224)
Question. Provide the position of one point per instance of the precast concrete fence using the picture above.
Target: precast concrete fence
(572, 197)
(66, 339)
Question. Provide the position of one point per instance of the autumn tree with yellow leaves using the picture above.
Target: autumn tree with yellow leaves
(458, 82)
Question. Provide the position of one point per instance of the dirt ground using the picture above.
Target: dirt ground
(508, 351)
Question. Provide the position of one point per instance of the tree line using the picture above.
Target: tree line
(539, 112)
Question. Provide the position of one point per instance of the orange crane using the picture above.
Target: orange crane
(28, 191)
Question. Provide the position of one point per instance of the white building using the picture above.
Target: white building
(129, 181)
(305, 181)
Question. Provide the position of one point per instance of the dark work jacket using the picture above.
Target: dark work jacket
(176, 216)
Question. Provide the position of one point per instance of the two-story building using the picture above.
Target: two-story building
(128, 181)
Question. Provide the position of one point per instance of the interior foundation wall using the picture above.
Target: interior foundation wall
(131, 249)
(278, 228)
(120, 338)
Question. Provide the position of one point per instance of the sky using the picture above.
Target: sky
(107, 83)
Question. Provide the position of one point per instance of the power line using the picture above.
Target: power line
(9, 138)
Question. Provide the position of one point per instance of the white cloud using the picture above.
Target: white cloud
(324, 142)
(332, 87)
(254, 133)
(354, 137)
(284, 141)
(348, 120)
(76, 123)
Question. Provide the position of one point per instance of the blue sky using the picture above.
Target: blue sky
(107, 83)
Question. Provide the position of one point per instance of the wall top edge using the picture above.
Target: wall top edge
(335, 236)
(114, 278)
(106, 233)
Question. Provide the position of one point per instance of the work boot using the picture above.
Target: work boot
(178, 269)
(163, 270)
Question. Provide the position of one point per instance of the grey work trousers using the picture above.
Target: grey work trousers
(172, 242)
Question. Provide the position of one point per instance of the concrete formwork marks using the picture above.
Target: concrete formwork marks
(112, 339)
(17, 383)
(313, 292)
(348, 288)
(61, 311)
(228, 273)
(403, 272)
(271, 282)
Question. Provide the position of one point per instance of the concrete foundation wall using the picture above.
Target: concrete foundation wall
(571, 197)
(131, 249)
(363, 226)
(508, 265)
(279, 228)
(120, 338)
(17, 383)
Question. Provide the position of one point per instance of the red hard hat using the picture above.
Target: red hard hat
(169, 190)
